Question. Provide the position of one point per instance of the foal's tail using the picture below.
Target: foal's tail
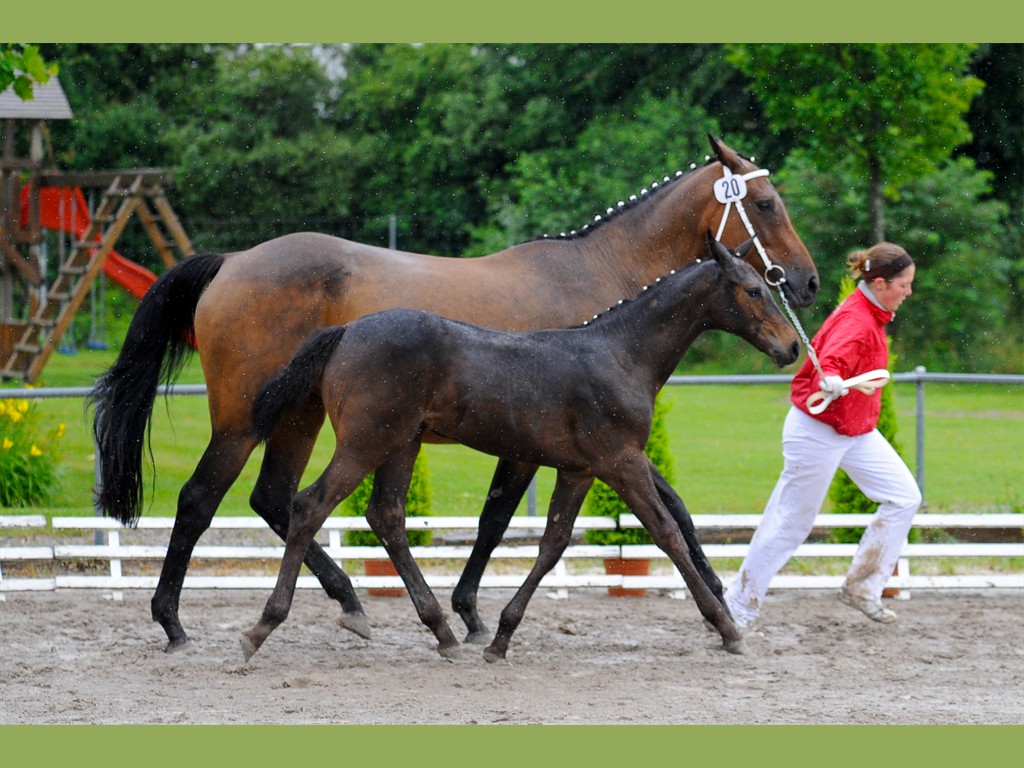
(156, 346)
(300, 379)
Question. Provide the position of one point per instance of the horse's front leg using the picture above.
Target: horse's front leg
(681, 515)
(632, 480)
(286, 456)
(566, 500)
(510, 481)
(197, 503)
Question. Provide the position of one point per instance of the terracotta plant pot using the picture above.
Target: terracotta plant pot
(622, 567)
(892, 592)
(382, 568)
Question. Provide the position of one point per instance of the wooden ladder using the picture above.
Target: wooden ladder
(125, 195)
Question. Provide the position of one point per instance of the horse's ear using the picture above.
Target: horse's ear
(724, 154)
(717, 251)
(744, 249)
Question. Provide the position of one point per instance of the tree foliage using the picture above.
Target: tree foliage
(22, 68)
(896, 110)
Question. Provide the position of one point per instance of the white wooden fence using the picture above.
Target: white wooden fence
(441, 563)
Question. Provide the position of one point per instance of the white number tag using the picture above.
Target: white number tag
(730, 189)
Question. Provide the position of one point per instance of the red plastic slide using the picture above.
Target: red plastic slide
(74, 218)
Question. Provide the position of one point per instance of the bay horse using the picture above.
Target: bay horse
(580, 400)
(248, 312)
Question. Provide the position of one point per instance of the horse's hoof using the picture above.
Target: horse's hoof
(478, 638)
(357, 623)
(450, 652)
(491, 656)
(180, 644)
(248, 647)
(739, 647)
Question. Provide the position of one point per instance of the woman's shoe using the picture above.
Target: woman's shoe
(874, 611)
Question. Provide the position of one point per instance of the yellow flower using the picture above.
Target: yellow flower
(14, 415)
(60, 430)
(23, 406)
(8, 444)
(34, 451)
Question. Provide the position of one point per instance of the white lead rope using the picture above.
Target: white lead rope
(732, 188)
(865, 382)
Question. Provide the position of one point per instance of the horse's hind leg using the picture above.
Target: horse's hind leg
(508, 485)
(309, 510)
(386, 516)
(286, 456)
(197, 503)
(566, 500)
(681, 515)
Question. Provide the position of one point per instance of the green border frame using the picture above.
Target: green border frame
(524, 21)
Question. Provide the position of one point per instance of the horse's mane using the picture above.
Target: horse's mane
(623, 303)
(622, 206)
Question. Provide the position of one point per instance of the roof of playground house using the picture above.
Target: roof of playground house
(49, 103)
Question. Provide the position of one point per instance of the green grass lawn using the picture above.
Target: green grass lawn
(725, 442)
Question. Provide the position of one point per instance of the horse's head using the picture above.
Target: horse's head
(768, 220)
(748, 309)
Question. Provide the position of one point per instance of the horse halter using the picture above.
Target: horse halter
(732, 188)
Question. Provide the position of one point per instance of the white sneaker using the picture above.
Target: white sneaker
(873, 610)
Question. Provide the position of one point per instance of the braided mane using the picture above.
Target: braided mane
(625, 205)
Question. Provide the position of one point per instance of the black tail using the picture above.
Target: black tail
(156, 346)
(295, 383)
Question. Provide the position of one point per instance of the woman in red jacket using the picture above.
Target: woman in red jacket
(851, 342)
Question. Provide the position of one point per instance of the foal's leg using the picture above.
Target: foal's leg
(677, 509)
(568, 495)
(632, 480)
(386, 516)
(310, 509)
(286, 456)
(197, 503)
(510, 481)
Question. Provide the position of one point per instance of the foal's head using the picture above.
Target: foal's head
(746, 307)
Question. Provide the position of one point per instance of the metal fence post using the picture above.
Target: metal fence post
(920, 371)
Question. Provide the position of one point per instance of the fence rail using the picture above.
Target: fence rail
(117, 549)
(108, 547)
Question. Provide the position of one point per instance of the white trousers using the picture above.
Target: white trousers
(812, 452)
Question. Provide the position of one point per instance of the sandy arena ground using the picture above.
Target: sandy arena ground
(72, 657)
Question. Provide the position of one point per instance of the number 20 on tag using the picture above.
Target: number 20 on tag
(730, 189)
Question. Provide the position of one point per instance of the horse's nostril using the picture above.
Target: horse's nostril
(812, 286)
(794, 350)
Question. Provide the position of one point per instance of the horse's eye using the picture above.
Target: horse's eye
(754, 293)
(765, 205)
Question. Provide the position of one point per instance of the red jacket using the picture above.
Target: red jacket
(851, 341)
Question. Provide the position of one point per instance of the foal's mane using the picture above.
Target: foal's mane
(622, 206)
(623, 303)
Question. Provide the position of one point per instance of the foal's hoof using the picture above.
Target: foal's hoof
(450, 652)
(357, 623)
(739, 647)
(179, 644)
(478, 638)
(248, 647)
(491, 656)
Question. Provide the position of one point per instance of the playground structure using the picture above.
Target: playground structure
(35, 199)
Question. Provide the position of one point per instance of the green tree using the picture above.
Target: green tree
(262, 160)
(896, 109)
(23, 68)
